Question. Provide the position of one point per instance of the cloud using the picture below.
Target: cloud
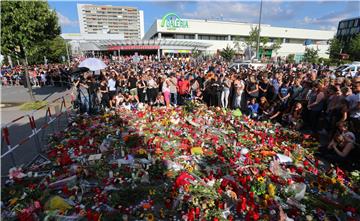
(328, 27)
(173, 5)
(240, 11)
(331, 19)
(65, 21)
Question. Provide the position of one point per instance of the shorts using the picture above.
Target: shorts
(133, 92)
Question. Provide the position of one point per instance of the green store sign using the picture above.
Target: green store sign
(172, 22)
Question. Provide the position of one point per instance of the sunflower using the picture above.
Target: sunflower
(150, 217)
(261, 179)
(271, 190)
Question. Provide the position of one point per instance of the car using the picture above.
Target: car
(348, 70)
(246, 64)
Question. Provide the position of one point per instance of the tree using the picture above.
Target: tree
(196, 52)
(311, 55)
(335, 48)
(276, 45)
(237, 44)
(251, 40)
(291, 58)
(227, 53)
(53, 50)
(354, 48)
(25, 26)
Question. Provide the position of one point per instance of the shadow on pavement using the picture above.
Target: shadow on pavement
(48, 90)
(32, 147)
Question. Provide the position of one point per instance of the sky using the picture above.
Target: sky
(323, 15)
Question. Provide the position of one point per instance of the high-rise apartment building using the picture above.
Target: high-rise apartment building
(108, 19)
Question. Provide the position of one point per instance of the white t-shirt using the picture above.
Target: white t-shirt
(165, 87)
(111, 84)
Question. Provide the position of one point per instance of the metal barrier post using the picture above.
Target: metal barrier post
(49, 118)
(7, 140)
(66, 110)
(35, 132)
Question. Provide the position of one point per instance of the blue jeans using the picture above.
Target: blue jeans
(173, 98)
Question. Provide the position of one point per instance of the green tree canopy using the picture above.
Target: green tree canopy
(53, 50)
(354, 48)
(311, 55)
(291, 58)
(276, 44)
(335, 48)
(25, 26)
(237, 44)
(227, 53)
(251, 41)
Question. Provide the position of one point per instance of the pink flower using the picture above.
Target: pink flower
(16, 173)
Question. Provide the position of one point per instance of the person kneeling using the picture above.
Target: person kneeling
(341, 145)
(253, 107)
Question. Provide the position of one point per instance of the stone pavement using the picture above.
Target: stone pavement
(11, 99)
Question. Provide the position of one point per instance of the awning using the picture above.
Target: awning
(169, 44)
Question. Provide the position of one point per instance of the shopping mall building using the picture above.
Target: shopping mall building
(175, 35)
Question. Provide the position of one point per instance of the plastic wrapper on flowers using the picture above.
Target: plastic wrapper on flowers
(188, 163)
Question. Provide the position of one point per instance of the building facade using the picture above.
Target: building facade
(219, 34)
(107, 19)
(348, 28)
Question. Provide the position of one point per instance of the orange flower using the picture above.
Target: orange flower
(126, 138)
(186, 188)
(147, 206)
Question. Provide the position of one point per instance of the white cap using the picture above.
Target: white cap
(350, 135)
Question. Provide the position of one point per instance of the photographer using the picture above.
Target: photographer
(82, 100)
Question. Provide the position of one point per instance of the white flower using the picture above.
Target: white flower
(16, 173)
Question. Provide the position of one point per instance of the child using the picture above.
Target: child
(160, 101)
(253, 107)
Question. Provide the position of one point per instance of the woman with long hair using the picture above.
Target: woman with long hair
(166, 92)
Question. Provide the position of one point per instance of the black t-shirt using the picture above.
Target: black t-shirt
(201, 81)
(263, 86)
(93, 86)
(132, 81)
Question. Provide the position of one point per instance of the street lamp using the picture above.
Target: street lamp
(27, 76)
(258, 37)
(67, 53)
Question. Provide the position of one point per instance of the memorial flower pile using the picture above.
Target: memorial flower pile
(190, 163)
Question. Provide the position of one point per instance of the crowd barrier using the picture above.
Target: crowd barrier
(45, 119)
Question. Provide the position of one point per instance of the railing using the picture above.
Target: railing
(38, 129)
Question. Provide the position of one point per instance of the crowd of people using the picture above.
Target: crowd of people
(307, 97)
(310, 97)
(39, 75)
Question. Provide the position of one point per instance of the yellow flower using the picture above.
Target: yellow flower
(150, 217)
(261, 179)
(271, 190)
(13, 201)
(189, 168)
(267, 197)
(151, 191)
(333, 180)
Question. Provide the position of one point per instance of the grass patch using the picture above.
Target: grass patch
(33, 105)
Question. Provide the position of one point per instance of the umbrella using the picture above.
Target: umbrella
(93, 64)
(79, 70)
